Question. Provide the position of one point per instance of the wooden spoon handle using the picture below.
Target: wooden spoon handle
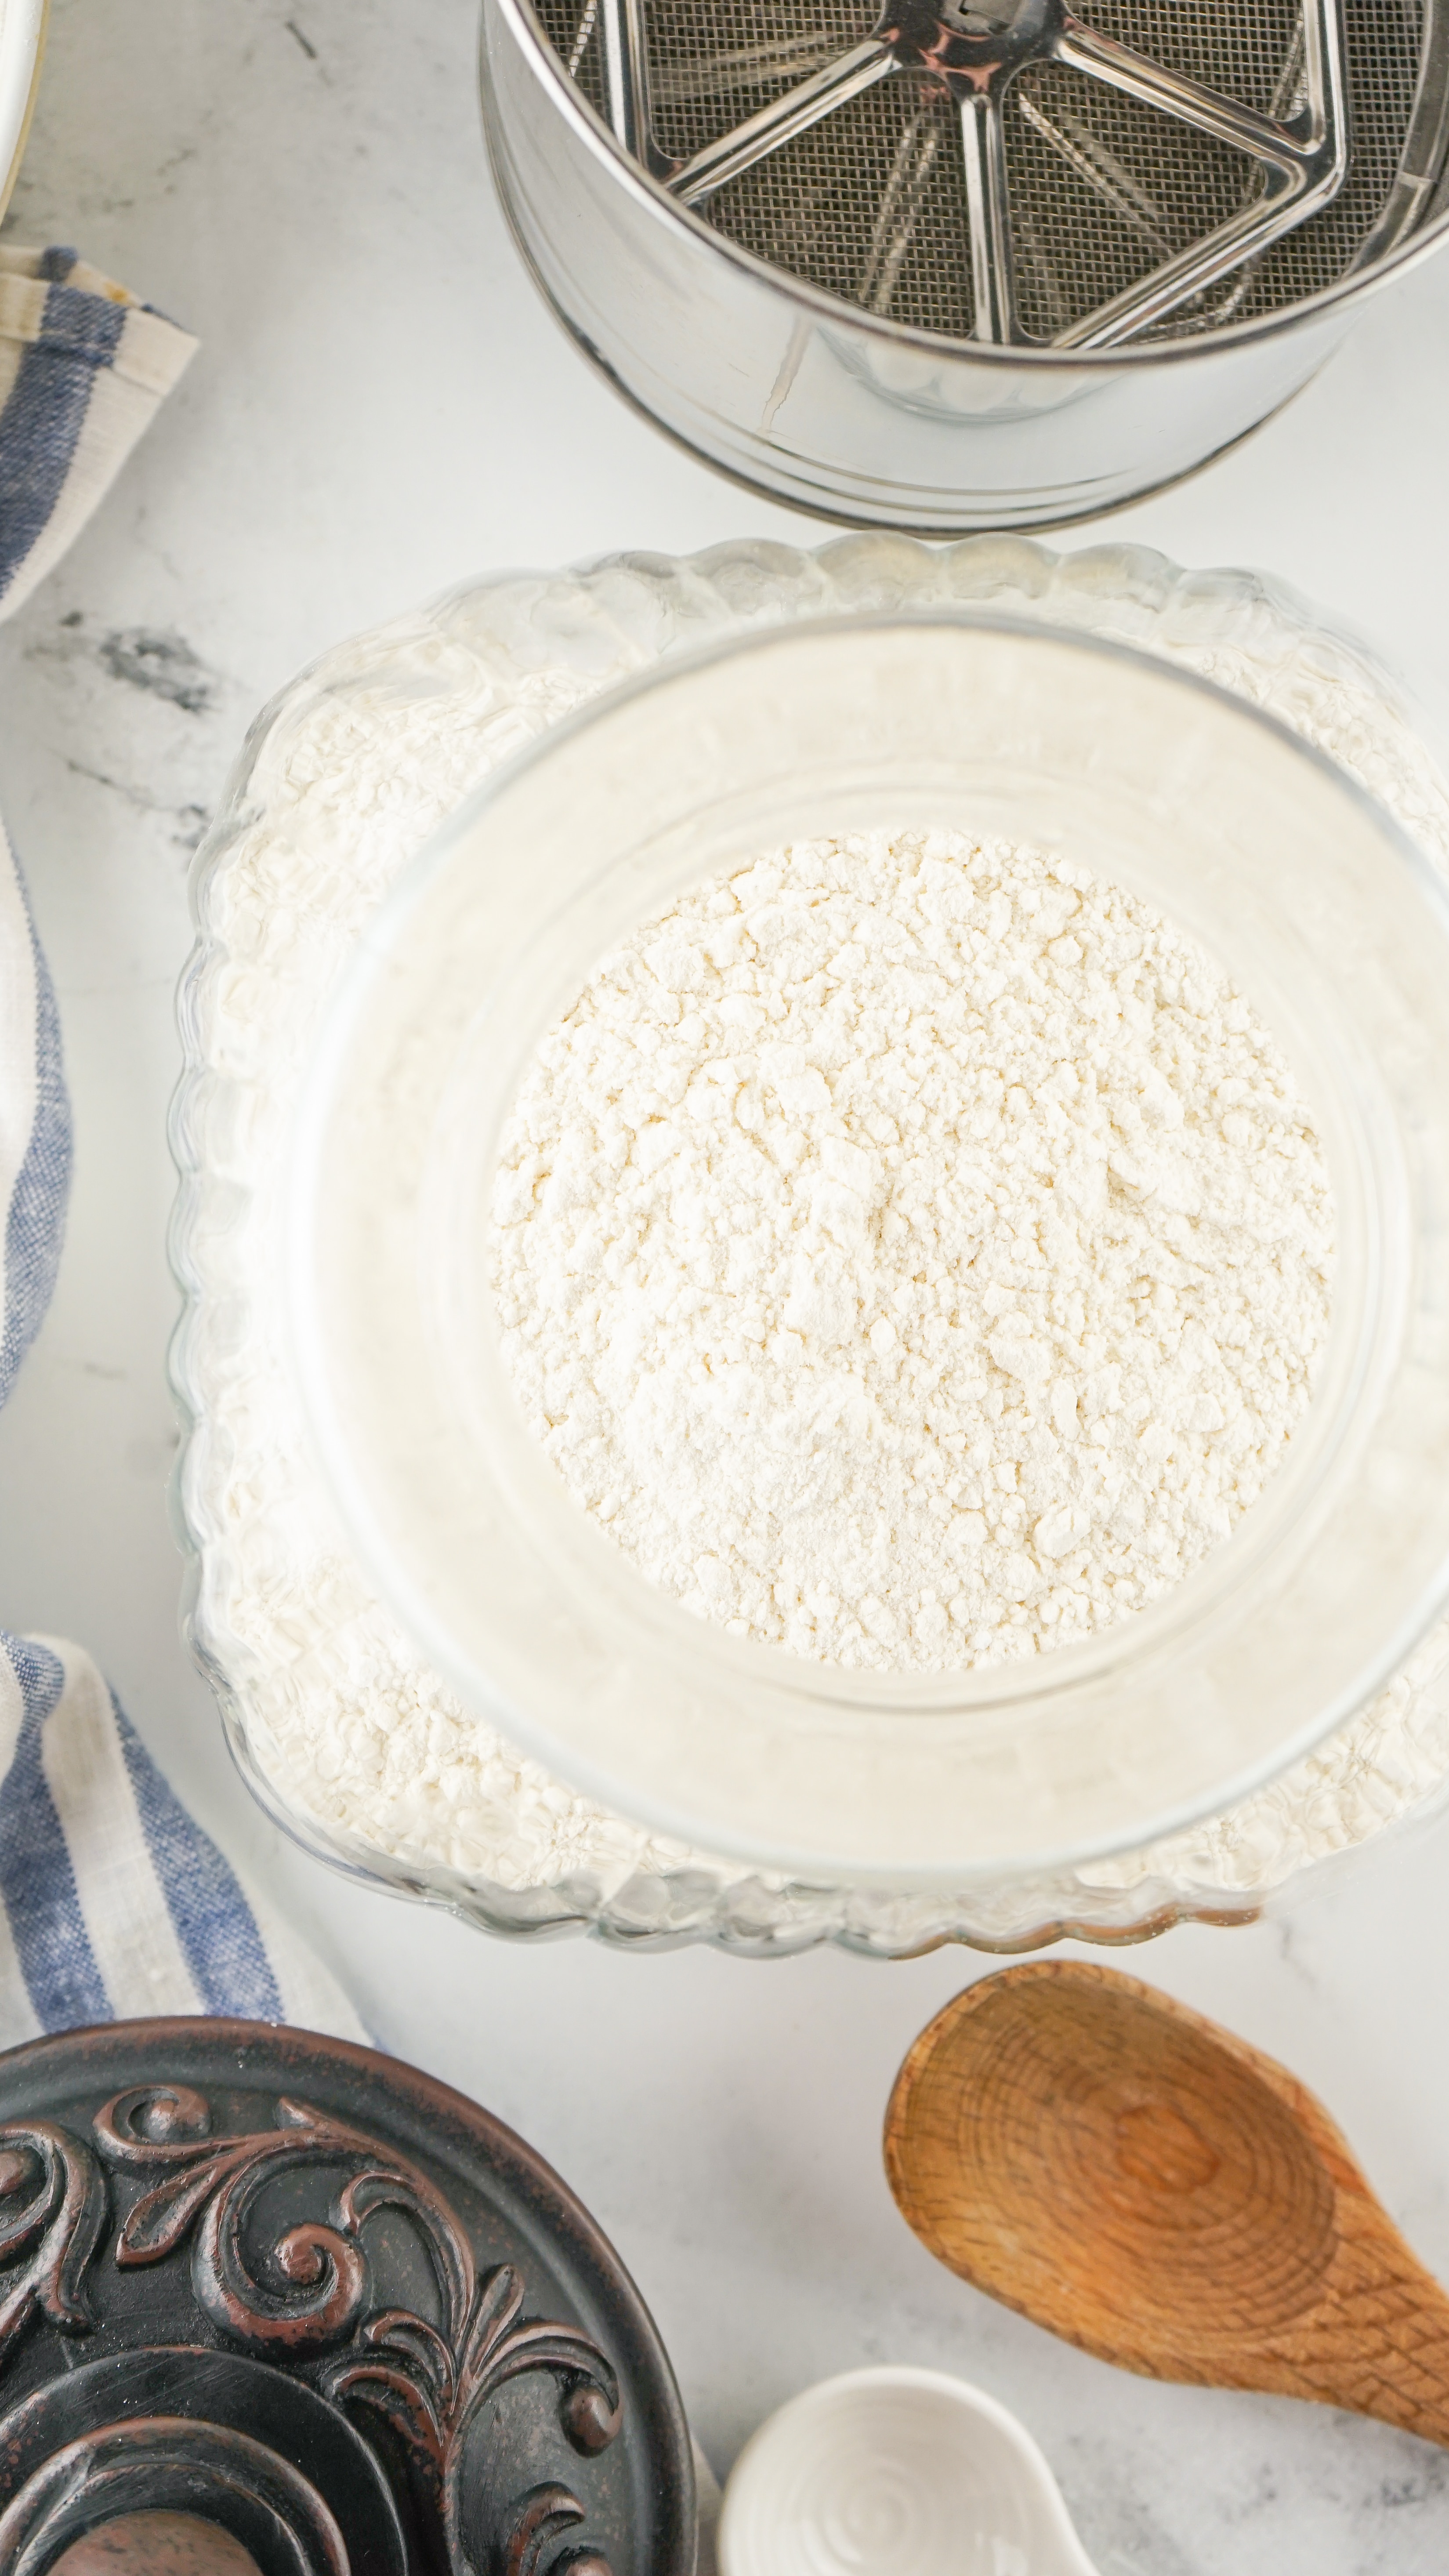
(1379, 2341)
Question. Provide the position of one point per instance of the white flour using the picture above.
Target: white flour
(914, 1252)
(344, 1719)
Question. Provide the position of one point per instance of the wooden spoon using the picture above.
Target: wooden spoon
(1130, 2176)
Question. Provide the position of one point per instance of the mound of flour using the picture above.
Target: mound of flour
(338, 1712)
(914, 1252)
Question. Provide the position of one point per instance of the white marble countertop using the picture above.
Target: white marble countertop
(382, 407)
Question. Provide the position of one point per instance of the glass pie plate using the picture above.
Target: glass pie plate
(342, 781)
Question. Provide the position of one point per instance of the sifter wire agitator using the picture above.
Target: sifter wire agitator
(867, 258)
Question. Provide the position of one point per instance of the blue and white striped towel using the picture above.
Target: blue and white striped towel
(113, 1902)
(83, 366)
(35, 1148)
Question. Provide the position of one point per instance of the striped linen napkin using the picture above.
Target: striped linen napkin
(113, 1902)
(35, 1147)
(83, 366)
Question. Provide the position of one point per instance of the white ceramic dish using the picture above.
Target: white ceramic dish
(277, 1595)
(1325, 918)
(895, 2472)
(22, 44)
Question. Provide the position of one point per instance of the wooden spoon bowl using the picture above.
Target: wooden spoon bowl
(1133, 2178)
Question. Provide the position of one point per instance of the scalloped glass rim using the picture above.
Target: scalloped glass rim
(557, 633)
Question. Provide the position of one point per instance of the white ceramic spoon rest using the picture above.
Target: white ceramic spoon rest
(895, 2472)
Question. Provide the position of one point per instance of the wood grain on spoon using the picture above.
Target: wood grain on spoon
(1132, 2177)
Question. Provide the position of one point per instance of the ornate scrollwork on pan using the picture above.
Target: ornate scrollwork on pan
(53, 2210)
(426, 2383)
(539, 2519)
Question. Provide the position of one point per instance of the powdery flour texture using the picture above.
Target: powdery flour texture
(914, 1252)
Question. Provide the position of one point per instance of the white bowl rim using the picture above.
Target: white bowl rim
(22, 45)
(594, 1774)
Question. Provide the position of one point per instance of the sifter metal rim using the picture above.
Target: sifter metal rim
(523, 24)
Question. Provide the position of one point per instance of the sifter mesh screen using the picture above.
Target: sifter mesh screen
(868, 204)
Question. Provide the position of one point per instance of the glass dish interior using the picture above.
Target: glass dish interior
(1324, 915)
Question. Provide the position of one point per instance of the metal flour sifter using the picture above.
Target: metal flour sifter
(965, 263)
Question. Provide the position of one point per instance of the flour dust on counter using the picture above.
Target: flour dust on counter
(913, 1251)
